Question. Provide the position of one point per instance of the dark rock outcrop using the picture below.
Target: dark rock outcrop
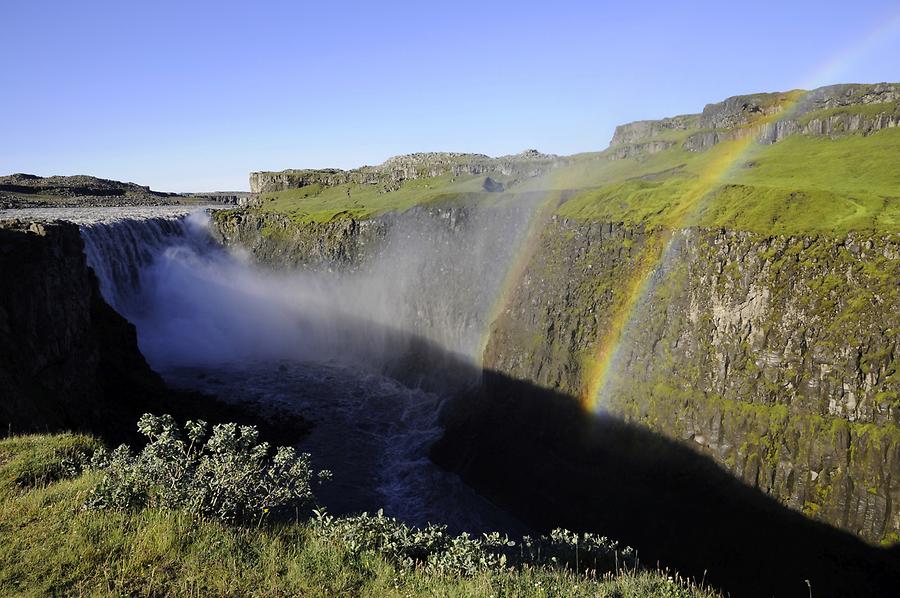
(31, 191)
(492, 186)
(67, 359)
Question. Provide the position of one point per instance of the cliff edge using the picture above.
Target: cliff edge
(67, 359)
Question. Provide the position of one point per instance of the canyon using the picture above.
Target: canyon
(774, 354)
(688, 340)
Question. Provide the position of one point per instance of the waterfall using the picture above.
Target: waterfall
(418, 308)
(192, 301)
(368, 356)
(121, 250)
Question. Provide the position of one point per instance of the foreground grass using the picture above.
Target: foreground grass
(50, 545)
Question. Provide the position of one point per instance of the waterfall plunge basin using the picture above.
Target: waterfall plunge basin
(211, 321)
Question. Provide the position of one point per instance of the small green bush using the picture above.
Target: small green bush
(226, 475)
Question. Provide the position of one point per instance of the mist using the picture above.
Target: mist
(195, 303)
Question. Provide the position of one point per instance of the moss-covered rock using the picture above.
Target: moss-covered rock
(776, 355)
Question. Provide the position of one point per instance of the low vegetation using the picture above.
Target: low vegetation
(226, 475)
(801, 185)
(320, 204)
(65, 528)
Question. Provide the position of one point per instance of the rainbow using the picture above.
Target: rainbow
(639, 287)
(541, 214)
(659, 248)
(887, 30)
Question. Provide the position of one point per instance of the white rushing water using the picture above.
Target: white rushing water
(327, 346)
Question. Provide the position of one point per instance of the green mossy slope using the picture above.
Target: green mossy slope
(801, 185)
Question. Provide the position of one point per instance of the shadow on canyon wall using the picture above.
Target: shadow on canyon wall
(68, 360)
(537, 453)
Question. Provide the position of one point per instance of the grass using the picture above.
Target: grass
(802, 185)
(322, 204)
(49, 545)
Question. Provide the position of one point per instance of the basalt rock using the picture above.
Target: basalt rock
(388, 175)
(67, 359)
(650, 129)
(278, 241)
(830, 111)
(775, 356)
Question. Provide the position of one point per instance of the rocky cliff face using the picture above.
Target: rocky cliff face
(276, 240)
(67, 360)
(776, 356)
(770, 117)
(413, 166)
(649, 129)
(739, 111)
(823, 123)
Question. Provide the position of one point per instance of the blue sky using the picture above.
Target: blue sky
(194, 95)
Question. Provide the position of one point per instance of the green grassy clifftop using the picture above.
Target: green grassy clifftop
(799, 162)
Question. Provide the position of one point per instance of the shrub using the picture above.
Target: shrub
(226, 475)
(436, 551)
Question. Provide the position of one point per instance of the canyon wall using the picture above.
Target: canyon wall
(67, 359)
(776, 356)
(277, 241)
